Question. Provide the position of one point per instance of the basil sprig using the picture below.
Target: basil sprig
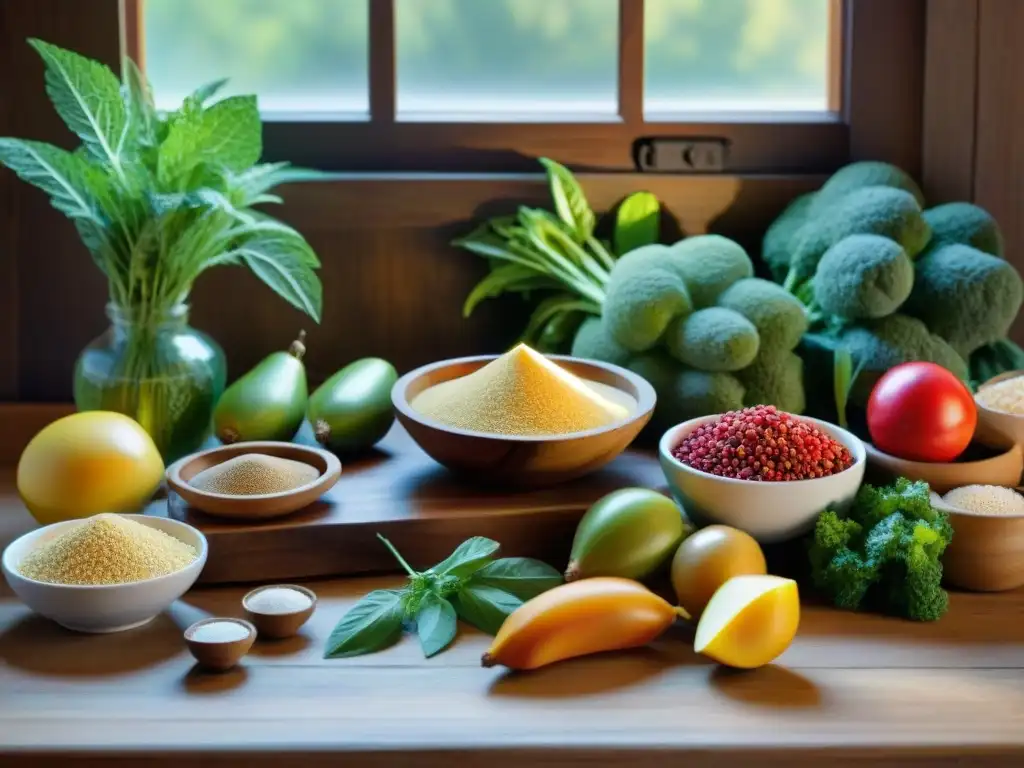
(469, 584)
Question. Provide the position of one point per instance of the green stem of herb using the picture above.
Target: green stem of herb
(398, 556)
(602, 253)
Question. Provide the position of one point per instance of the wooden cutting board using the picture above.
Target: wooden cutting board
(401, 493)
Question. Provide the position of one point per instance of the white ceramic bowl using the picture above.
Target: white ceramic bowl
(996, 428)
(770, 512)
(103, 608)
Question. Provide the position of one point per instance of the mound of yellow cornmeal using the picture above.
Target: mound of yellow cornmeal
(519, 393)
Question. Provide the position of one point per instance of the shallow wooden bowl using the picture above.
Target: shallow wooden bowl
(1001, 469)
(987, 551)
(996, 427)
(254, 507)
(514, 461)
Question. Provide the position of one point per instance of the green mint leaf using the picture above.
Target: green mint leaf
(552, 307)
(207, 91)
(248, 187)
(522, 577)
(484, 606)
(228, 134)
(138, 97)
(370, 625)
(435, 623)
(87, 96)
(637, 222)
(570, 202)
(467, 557)
(284, 261)
(73, 184)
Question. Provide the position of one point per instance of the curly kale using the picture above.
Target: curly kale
(885, 552)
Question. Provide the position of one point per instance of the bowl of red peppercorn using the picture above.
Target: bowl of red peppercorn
(762, 470)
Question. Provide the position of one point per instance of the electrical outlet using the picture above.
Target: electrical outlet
(680, 155)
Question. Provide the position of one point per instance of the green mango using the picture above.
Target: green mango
(268, 402)
(352, 410)
(628, 533)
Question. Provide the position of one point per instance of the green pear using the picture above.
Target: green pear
(352, 410)
(268, 402)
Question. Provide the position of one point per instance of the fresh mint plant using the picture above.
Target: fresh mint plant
(157, 198)
(469, 584)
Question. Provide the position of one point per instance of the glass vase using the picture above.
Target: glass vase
(159, 371)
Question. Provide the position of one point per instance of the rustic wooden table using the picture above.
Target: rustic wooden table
(852, 689)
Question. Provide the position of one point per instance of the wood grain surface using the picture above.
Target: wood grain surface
(853, 689)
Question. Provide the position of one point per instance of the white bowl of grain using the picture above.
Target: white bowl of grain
(104, 564)
(1000, 402)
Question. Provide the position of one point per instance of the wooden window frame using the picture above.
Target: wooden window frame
(875, 98)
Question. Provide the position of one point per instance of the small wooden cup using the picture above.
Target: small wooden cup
(279, 625)
(220, 656)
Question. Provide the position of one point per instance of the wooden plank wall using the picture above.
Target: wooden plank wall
(973, 145)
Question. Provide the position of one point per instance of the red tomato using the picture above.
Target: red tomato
(921, 412)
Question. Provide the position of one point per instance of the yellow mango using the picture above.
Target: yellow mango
(749, 621)
(87, 463)
(579, 618)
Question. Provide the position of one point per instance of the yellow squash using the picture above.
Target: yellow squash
(579, 618)
(86, 463)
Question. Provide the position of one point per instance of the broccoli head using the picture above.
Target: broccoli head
(862, 174)
(642, 298)
(779, 316)
(885, 211)
(593, 342)
(777, 246)
(684, 393)
(878, 345)
(776, 377)
(709, 264)
(993, 359)
(967, 297)
(863, 277)
(967, 224)
(713, 339)
(884, 552)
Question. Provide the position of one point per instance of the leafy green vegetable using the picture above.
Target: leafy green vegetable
(522, 577)
(467, 557)
(435, 623)
(373, 623)
(484, 606)
(637, 222)
(553, 259)
(468, 584)
(570, 202)
(885, 553)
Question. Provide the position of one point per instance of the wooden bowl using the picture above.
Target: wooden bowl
(1001, 469)
(259, 506)
(987, 551)
(522, 461)
(278, 625)
(997, 427)
(219, 656)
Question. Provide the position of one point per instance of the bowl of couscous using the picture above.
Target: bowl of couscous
(104, 573)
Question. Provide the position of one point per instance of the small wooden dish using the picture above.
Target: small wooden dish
(254, 507)
(987, 551)
(220, 656)
(279, 625)
(996, 427)
(1001, 469)
(522, 461)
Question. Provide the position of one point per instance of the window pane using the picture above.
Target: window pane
(750, 55)
(296, 55)
(506, 58)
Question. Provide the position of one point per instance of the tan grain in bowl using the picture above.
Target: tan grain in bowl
(987, 550)
(1000, 402)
